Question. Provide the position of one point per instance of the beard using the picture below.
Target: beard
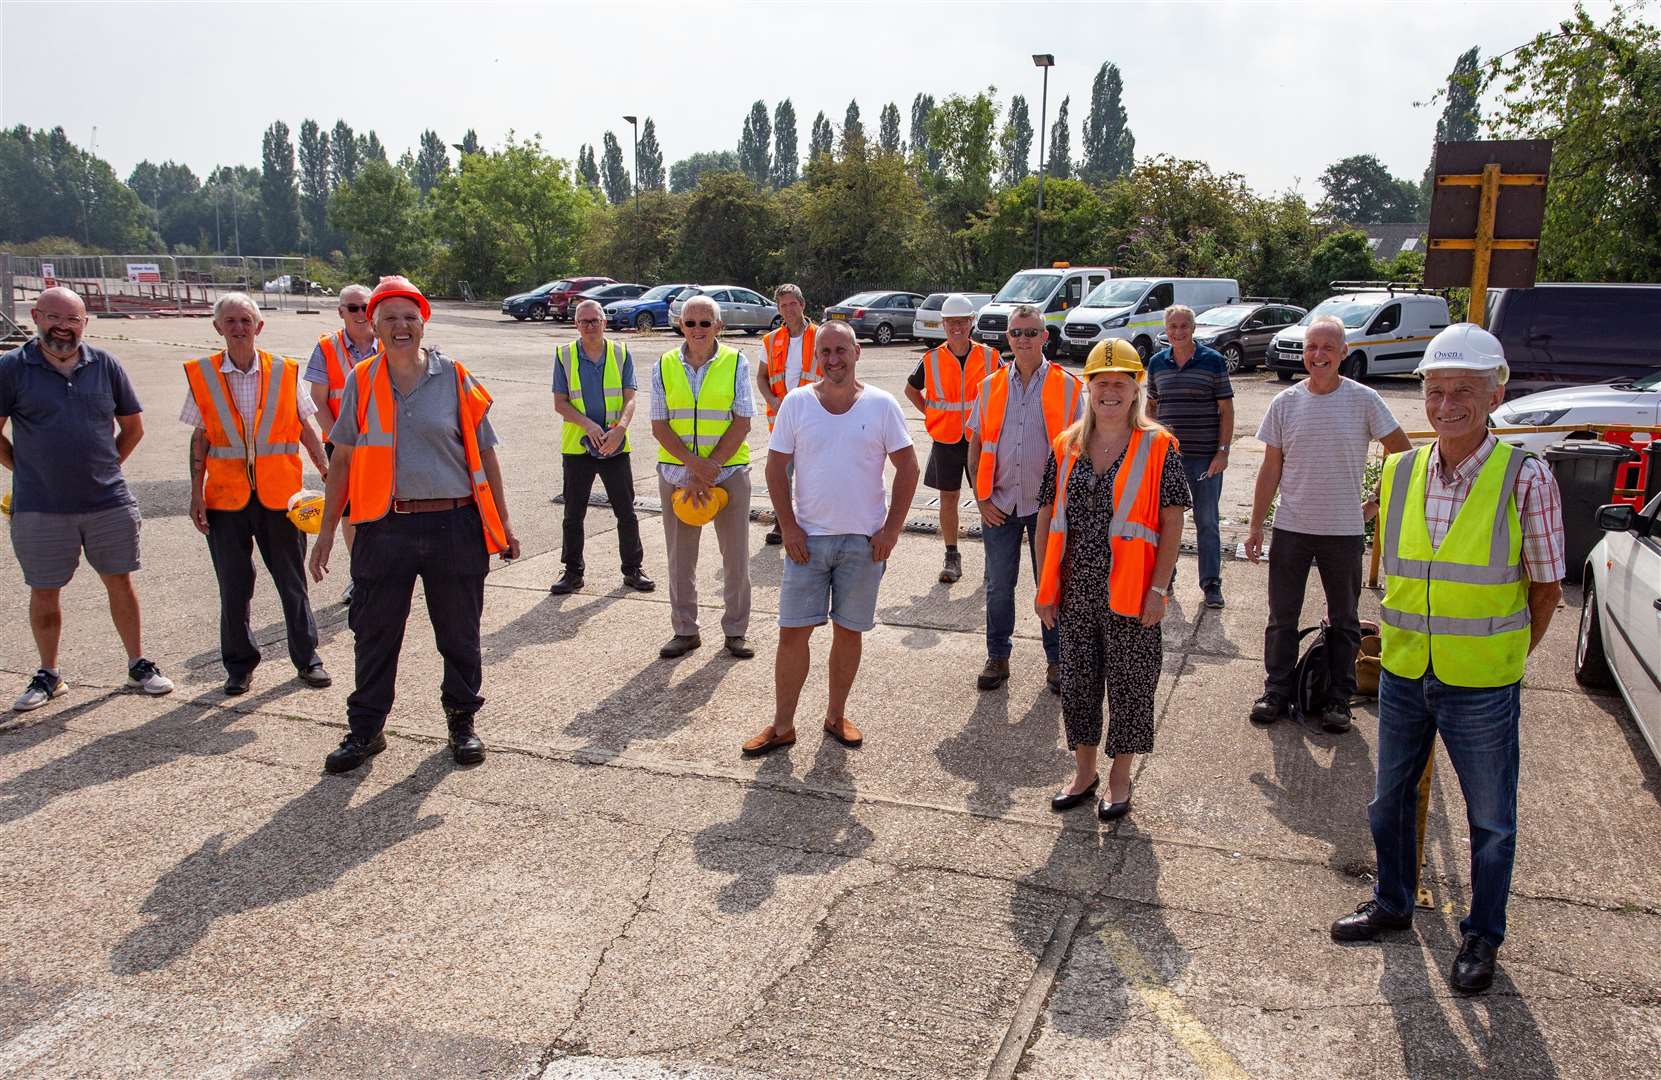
(61, 342)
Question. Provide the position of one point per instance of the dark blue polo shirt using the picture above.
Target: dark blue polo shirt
(63, 430)
(1188, 397)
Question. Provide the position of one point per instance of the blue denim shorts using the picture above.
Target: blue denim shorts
(839, 580)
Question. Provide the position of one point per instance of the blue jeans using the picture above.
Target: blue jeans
(1207, 492)
(1478, 726)
(1002, 544)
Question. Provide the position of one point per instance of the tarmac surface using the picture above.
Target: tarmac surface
(616, 893)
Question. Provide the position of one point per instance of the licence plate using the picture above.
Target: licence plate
(991, 335)
(930, 323)
(1284, 355)
(838, 315)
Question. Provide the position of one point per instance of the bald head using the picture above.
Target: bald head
(60, 318)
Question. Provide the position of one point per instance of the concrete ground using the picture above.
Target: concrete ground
(615, 893)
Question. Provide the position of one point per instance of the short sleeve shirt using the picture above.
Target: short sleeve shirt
(743, 404)
(1188, 395)
(63, 430)
(1324, 439)
(591, 374)
(317, 368)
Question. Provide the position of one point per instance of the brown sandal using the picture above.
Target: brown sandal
(845, 733)
(766, 742)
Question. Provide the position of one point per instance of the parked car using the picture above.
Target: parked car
(1386, 328)
(290, 283)
(1241, 332)
(880, 316)
(928, 327)
(1619, 642)
(741, 308)
(1637, 403)
(1134, 309)
(530, 305)
(1055, 290)
(563, 296)
(1576, 334)
(648, 311)
(608, 294)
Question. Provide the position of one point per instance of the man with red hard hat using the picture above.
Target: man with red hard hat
(415, 457)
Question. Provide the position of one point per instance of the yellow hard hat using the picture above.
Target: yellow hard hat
(305, 509)
(696, 514)
(1114, 354)
(6, 504)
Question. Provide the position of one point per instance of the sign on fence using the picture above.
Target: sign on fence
(141, 272)
(50, 274)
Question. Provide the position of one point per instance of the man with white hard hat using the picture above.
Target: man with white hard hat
(1472, 537)
(943, 387)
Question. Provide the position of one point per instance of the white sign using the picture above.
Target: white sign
(49, 274)
(137, 272)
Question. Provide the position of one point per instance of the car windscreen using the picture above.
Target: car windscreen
(1652, 381)
(661, 292)
(1222, 316)
(862, 299)
(1028, 288)
(1116, 292)
(933, 302)
(1352, 313)
(544, 290)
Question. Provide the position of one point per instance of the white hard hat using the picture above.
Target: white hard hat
(955, 306)
(1464, 347)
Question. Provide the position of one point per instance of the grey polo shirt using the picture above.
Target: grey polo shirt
(430, 461)
(63, 430)
(1023, 442)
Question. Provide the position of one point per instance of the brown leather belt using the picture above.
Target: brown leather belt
(429, 506)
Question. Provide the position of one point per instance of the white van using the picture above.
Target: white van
(1386, 329)
(1054, 290)
(1134, 309)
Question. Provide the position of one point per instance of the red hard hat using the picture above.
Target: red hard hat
(398, 285)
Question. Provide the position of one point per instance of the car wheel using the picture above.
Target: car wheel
(1354, 366)
(1234, 358)
(884, 334)
(1052, 344)
(1144, 348)
(752, 331)
(539, 312)
(778, 321)
(1591, 666)
(519, 318)
(1284, 376)
(644, 322)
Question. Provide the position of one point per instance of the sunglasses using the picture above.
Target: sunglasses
(702, 323)
(1029, 333)
(355, 308)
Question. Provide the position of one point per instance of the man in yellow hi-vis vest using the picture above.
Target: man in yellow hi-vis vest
(1471, 531)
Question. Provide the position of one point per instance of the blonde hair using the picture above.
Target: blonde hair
(1076, 436)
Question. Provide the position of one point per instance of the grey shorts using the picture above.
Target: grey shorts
(49, 546)
(839, 580)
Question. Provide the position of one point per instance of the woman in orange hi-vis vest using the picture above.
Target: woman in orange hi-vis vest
(1112, 503)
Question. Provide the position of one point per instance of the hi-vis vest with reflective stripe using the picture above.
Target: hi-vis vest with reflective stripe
(571, 435)
(1460, 609)
(1133, 536)
(949, 390)
(1060, 398)
(777, 344)
(337, 361)
(701, 420)
(375, 454)
(269, 461)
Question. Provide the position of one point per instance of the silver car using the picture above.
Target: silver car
(741, 308)
(928, 326)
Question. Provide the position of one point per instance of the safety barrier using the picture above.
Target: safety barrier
(148, 286)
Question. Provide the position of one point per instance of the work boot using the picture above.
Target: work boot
(953, 570)
(1336, 718)
(774, 536)
(679, 645)
(465, 746)
(994, 674)
(1367, 922)
(1267, 709)
(568, 583)
(353, 752)
(638, 581)
(1052, 678)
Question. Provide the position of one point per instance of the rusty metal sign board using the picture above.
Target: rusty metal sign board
(1456, 212)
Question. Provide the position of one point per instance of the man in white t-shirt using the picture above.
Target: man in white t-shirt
(835, 436)
(1316, 435)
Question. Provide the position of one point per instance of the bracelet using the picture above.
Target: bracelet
(1164, 593)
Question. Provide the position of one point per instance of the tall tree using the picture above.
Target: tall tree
(588, 170)
(786, 158)
(380, 213)
(921, 106)
(1361, 191)
(684, 174)
(1015, 143)
(469, 143)
(613, 175)
(314, 183)
(1461, 113)
(1061, 144)
(343, 155)
(650, 166)
(370, 148)
(962, 130)
(145, 180)
(51, 187)
(853, 131)
(432, 163)
(279, 193)
(1109, 147)
(820, 139)
(755, 145)
(888, 129)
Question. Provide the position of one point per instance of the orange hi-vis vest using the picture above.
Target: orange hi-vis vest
(1133, 537)
(337, 361)
(949, 391)
(375, 455)
(1059, 396)
(239, 464)
(777, 344)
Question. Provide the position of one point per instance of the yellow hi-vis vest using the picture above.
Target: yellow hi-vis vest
(1461, 609)
(700, 420)
(571, 435)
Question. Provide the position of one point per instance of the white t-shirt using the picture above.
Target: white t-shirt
(793, 360)
(1324, 439)
(838, 487)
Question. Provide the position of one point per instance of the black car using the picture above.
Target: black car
(530, 305)
(610, 294)
(1241, 332)
(1575, 334)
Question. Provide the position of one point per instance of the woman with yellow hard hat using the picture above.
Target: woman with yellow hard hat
(1109, 523)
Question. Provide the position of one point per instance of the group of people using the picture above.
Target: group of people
(1093, 474)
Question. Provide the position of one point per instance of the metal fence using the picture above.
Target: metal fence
(143, 286)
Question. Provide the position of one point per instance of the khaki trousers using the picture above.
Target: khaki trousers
(732, 535)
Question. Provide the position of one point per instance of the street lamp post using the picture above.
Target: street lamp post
(634, 122)
(1045, 61)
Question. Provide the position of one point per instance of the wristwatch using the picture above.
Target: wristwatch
(1223, 449)
(1160, 591)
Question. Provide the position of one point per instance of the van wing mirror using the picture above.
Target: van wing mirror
(1617, 517)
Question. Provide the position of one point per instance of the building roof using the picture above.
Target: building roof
(1387, 238)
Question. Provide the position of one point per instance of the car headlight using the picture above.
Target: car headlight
(1532, 418)
(1115, 324)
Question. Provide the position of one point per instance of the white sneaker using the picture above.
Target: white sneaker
(146, 676)
(42, 688)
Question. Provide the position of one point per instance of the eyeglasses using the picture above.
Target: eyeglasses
(1030, 332)
(62, 320)
(703, 324)
(355, 308)
(589, 322)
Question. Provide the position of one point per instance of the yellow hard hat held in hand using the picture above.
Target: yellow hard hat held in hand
(695, 513)
(305, 509)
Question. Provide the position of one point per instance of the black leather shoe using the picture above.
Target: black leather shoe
(1267, 709)
(637, 581)
(740, 647)
(568, 583)
(774, 537)
(1367, 922)
(1061, 801)
(679, 645)
(316, 676)
(1473, 968)
(1109, 811)
(236, 685)
(465, 746)
(1052, 678)
(352, 752)
(994, 674)
(1336, 718)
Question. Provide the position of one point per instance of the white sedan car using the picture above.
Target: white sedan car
(1637, 403)
(1619, 642)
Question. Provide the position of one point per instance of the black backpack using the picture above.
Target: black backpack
(1310, 680)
